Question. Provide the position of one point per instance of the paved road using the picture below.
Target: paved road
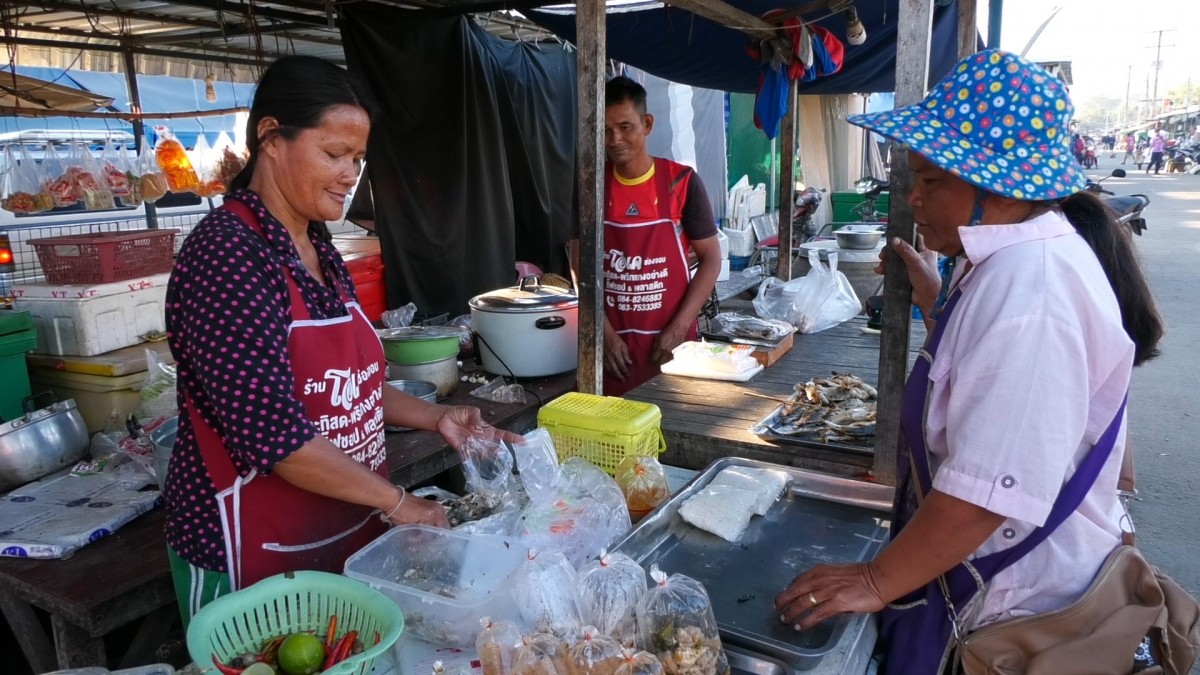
(1164, 415)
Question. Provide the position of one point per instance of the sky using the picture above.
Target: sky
(1104, 38)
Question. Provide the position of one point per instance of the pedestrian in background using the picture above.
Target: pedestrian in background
(1157, 143)
(1130, 147)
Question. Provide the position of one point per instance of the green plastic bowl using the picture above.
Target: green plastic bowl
(417, 346)
(295, 602)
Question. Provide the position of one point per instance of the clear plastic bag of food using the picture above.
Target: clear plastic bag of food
(488, 466)
(176, 165)
(544, 590)
(58, 181)
(497, 646)
(639, 663)
(537, 464)
(676, 623)
(609, 590)
(113, 168)
(133, 174)
(153, 180)
(644, 484)
(541, 654)
(204, 162)
(90, 185)
(24, 190)
(594, 653)
(158, 392)
(499, 391)
(749, 327)
(227, 163)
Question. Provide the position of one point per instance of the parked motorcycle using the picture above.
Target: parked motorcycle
(1128, 209)
(870, 188)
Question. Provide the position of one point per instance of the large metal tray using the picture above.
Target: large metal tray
(764, 429)
(821, 519)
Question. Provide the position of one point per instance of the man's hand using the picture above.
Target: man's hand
(921, 265)
(671, 337)
(616, 354)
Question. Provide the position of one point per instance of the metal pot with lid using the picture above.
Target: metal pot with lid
(528, 330)
(40, 442)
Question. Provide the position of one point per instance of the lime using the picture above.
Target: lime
(301, 654)
(259, 668)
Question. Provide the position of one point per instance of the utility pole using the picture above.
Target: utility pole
(1125, 110)
(1157, 65)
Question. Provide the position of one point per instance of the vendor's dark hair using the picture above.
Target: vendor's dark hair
(621, 89)
(1113, 245)
(297, 91)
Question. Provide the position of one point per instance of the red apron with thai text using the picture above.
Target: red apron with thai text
(645, 265)
(271, 526)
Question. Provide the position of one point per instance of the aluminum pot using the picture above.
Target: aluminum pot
(442, 373)
(415, 345)
(528, 330)
(40, 443)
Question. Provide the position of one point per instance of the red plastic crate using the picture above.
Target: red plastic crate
(106, 256)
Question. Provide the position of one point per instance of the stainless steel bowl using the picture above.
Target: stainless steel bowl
(423, 390)
(443, 374)
(41, 443)
(857, 240)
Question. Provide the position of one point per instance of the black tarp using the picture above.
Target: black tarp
(471, 155)
(677, 45)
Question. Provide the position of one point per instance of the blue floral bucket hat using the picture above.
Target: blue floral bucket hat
(997, 121)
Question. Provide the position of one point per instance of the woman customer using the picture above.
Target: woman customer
(1025, 372)
(279, 463)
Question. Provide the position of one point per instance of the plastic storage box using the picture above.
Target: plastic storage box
(17, 336)
(365, 265)
(99, 323)
(844, 202)
(105, 256)
(444, 581)
(602, 429)
(96, 396)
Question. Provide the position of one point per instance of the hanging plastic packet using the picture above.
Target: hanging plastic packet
(202, 162)
(639, 663)
(133, 174)
(23, 191)
(594, 654)
(228, 162)
(675, 622)
(58, 180)
(644, 484)
(154, 181)
(114, 171)
(176, 166)
(541, 654)
(89, 182)
(488, 465)
(543, 588)
(497, 646)
(609, 590)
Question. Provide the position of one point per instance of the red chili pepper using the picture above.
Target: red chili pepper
(376, 637)
(270, 649)
(331, 633)
(331, 654)
(344, 647)
(225, 670)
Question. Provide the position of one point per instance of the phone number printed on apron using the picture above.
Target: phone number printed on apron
(634, 284)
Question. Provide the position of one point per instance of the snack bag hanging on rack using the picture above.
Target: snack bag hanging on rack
(153, 180)
(133, 174)
(609, 590)
(176, 166)
(594, 654)
(202, 160)
(228, 162)
(497, 646)
(22, 191)
(58, 181)
(114, 170)
(675, 621)
(89, 182)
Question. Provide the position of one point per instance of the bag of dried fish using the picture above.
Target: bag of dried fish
(752, 327)
(609, 590)
(767, 485)
(675, 621)
(541, 654)
(497, 646)
(639, 663)
(544, 590)
(644, 484)
(594, 654)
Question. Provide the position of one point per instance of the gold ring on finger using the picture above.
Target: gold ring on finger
(813, 599)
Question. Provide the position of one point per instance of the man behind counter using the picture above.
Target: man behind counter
(655, 211)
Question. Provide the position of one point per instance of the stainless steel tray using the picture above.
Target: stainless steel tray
(764, 429)
(821, 519)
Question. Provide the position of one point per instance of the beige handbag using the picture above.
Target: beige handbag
(1098, 634)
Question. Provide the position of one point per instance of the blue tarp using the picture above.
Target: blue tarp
(158, 94)
(677, 45)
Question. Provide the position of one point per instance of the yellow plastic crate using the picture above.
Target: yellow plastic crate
(602, 429)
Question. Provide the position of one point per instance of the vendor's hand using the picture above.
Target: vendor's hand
(921, 265)
(671, 337)
(417, 511)
(616, 355)
(837, 589)
(459, 422)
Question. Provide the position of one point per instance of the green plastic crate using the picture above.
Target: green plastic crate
(602, 429)
(845, 201)
(16, 337)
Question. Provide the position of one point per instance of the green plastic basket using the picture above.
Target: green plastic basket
(295, 602)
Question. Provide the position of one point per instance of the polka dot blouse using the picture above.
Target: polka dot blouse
(228, 310)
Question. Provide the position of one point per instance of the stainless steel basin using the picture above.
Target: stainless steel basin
(41, 442)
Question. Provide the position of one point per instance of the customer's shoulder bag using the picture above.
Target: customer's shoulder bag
(1129, 608)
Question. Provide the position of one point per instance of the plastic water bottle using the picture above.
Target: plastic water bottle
(755, 270)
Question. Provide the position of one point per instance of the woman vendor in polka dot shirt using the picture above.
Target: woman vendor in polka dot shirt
(279, 463)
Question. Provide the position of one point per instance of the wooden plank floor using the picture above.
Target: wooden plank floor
(704, 420)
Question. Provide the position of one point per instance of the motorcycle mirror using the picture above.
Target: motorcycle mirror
(1118, 173)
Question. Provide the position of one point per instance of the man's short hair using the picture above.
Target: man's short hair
(621, 89)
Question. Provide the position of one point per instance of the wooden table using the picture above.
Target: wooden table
(126, 577)
(704, 420)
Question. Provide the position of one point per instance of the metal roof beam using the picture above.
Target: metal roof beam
(232, 31)
(243, 9)
(205, 55)
(97, 10)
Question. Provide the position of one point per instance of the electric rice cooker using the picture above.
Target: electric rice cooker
(528, 330)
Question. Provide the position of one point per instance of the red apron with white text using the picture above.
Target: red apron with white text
(645, 266)
(271, 526)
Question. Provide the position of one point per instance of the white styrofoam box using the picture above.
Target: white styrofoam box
(724, 275)
(756, 201)
(723, 240)
(95, 325)
(741, 242)
(80, 291)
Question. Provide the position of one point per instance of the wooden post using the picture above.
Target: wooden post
(995, 15)
(912, 74)
(787, 183)
(968, 33)
(139, 129)
(590, 64)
